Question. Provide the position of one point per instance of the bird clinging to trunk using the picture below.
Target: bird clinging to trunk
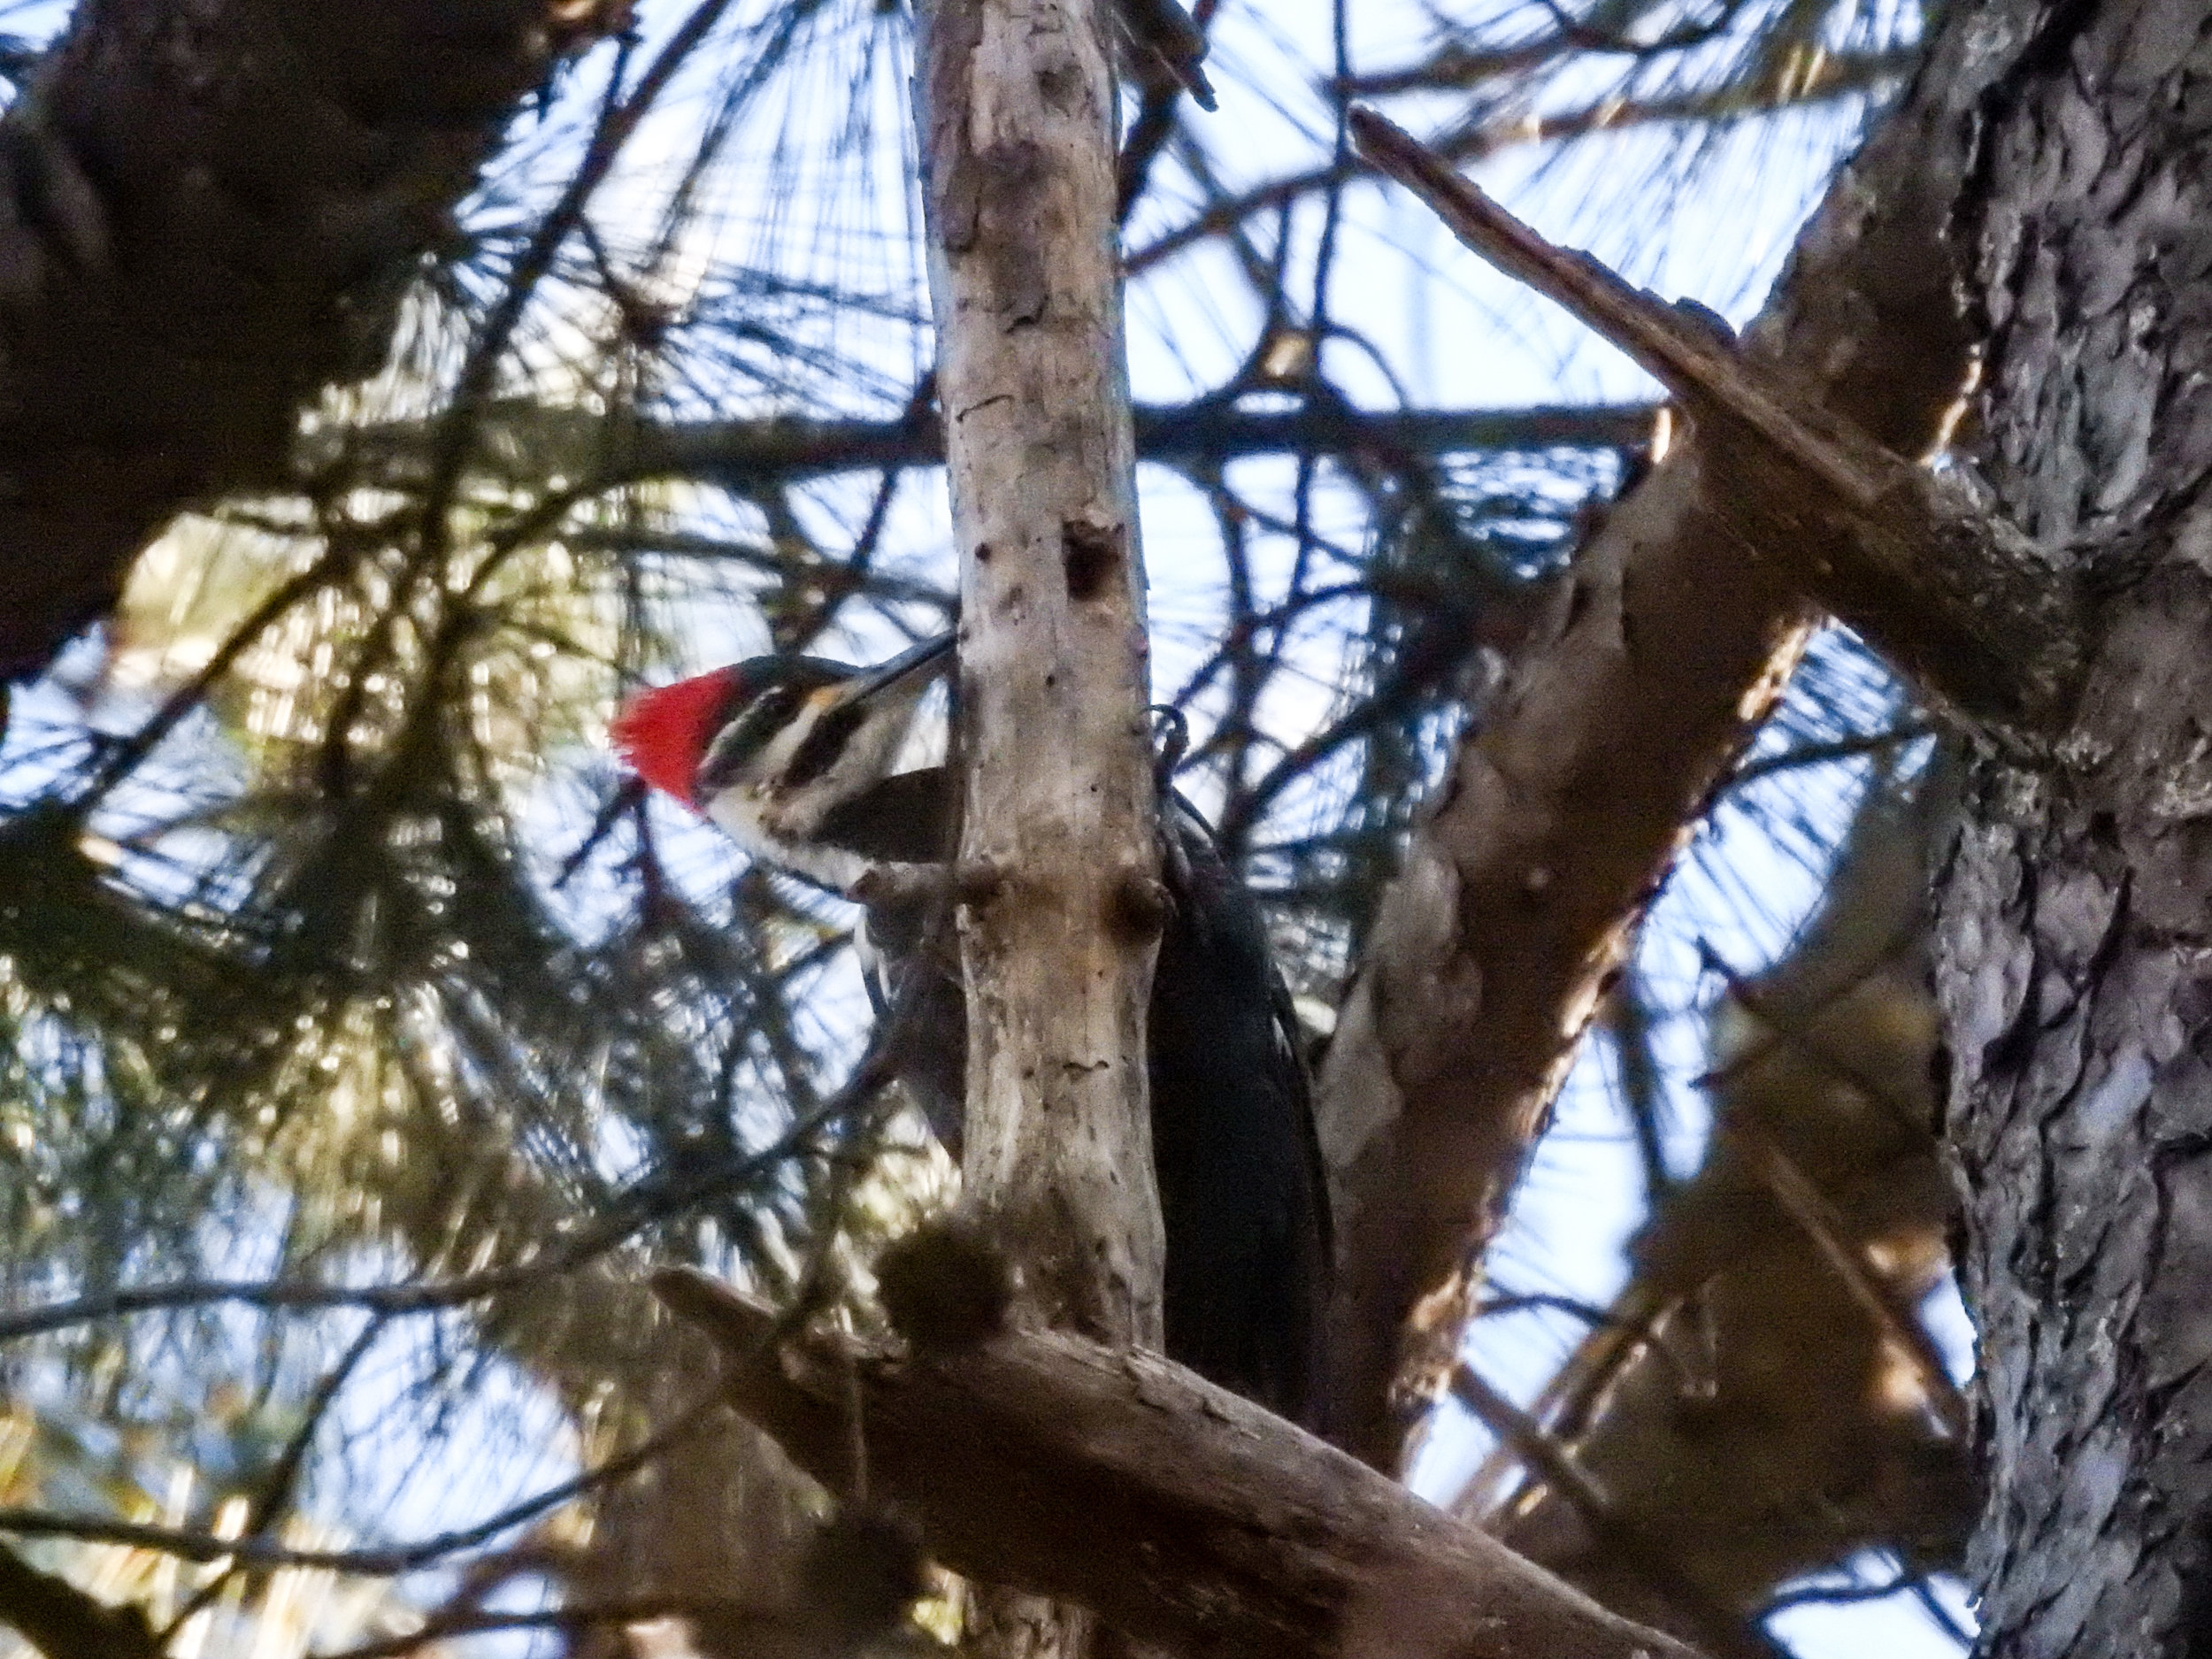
(795, 755)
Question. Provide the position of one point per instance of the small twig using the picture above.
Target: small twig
(1924, 1593)
(1818, 754)
(1628, 1020)
(1784, 1027)
(1842, 1594)
(276, 1486)
(1574, 1307)
(1560, 1471)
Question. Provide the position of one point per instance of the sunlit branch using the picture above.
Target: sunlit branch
(1831, 1234)
(1722, 1631)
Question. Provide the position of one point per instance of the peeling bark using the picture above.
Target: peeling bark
(208, 212)
(2075, 965)
(1181, 1513)
(1561, 814)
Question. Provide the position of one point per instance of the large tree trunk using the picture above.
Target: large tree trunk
(208, 212)
(2075, 941)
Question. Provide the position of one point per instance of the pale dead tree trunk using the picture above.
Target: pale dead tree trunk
(1563, 809)
(210, 211)
(1056, 869)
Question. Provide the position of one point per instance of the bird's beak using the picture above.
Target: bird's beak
(909, 670)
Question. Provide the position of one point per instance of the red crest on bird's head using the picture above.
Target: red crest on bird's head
(664, 733)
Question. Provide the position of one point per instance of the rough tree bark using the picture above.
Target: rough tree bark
(208, 212)
(1563, 810)
(2075, 963)
(1060, 899)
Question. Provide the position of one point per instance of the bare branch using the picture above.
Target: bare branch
(749, 454)
(1179, 1512)
(1841, 75)
(1722, 1631)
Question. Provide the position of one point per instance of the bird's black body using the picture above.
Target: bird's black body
(1242, 1198)
(1242, 1193)
(777, 753)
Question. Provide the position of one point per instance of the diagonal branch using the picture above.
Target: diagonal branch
(1953, 593)
(1831, 1233)
(1181, 1513)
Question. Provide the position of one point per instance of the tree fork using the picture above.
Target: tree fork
(1016, 112)
(1564, 808)
(1181, 1513)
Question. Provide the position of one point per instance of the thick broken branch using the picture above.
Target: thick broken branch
(1950, 592)
(1181, 1513)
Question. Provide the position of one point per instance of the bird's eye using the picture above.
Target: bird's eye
(744, 737)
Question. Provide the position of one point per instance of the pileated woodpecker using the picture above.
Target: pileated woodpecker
(793, 756)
